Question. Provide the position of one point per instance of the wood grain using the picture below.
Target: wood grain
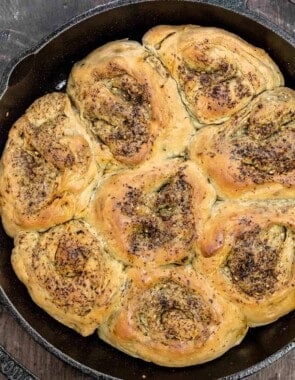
(22, 24)
(280, 12)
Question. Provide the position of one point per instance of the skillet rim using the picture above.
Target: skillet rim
(236, 7)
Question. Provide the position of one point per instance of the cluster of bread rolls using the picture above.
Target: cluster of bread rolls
(154, 201)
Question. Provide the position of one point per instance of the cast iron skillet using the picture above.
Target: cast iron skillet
(44, 69)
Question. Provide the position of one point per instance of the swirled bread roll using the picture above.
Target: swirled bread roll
(248, 253)
(47, 168)
(173, 317)
(68, 274)
(131, 102)
(217, 72)
(153, 214)
(253, 155)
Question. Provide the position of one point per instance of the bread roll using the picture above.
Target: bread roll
(253, 154)
(131, 102)
(173, 317)
(47, 169)
(68, 274)
(152, 214)
(247, 252)
(217, 72)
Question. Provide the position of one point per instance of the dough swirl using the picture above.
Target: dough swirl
(153, 214)
(131, 102)
(247, 251)
(47, 168)
(173, 317)
(252, 155)
(217, 73)
(68, 274)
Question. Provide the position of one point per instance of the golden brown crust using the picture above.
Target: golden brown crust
(252, 155)
(68, 274)
(217, 72)
(131, 103)
(47, 168)
(174, 318)
(153, 214)
(247, 252)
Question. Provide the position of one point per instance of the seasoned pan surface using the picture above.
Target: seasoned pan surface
(43, 70)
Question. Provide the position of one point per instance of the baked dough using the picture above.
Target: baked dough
(153, 214)
(217, 72)
(47, 168)
(253, 154)
(68, 274)
(154, 202)
(247, 250)
(173, 317)
(131, 103)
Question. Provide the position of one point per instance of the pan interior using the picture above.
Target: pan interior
(46, 71)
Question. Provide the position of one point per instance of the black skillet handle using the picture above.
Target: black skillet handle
(12, 369)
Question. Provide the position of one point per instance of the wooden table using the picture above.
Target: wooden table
(22, 24)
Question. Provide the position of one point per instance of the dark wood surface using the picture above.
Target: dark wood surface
(22, 24)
